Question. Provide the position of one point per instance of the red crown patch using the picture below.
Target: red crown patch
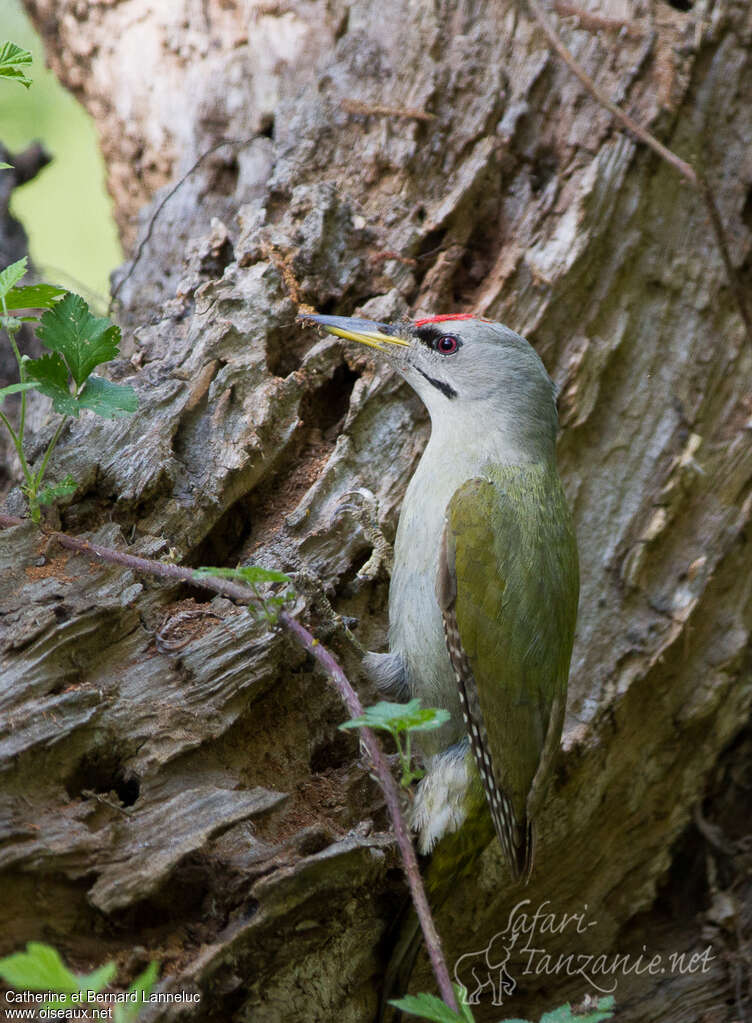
(449, 316)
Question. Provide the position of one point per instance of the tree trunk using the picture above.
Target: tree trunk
(174, 784)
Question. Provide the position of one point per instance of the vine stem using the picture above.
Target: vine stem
(391, 794)
(326, 660)
(11, 329)
(39, 476)
(685, 169)
(17, 445)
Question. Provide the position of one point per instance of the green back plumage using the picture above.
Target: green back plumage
(516, 623)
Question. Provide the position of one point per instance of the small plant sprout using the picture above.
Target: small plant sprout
(425, 1006)
(77, 343)
(401, 720)
(40, 968)
(254, 576)
(14, 62)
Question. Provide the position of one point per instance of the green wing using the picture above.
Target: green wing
(508, 588)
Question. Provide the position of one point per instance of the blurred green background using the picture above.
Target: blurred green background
(65, 210)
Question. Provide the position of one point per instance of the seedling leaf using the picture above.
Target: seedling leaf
(33, 296)
(141, 987)
(12, 61)
(15, 388)
(39, 968)
(51, 376)
(10, 276)
(400, 717)
(564, 1014)
(430, 1007)
(108, 399)
(247, 573)
(84, 341)
(53, 491)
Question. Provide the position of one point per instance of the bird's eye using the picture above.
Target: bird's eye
(447, 344)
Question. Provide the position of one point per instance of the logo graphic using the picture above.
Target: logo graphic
(488, 969)
(520, 950)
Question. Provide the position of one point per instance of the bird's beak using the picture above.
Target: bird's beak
(351, 328)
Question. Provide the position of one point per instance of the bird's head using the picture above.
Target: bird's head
(464, 368)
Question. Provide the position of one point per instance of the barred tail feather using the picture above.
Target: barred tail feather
(515, 837)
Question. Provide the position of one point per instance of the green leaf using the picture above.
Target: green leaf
(95, 981)
(430, 1007)
(39, 968)
(15, 388)
(127, 1012)
(98, 979)
(108, 399)
(84, 341)
(12, 59)
(564, 1013)
(33, 296)
(246, 573)
(6, 166)
(10, 276)
(51, 376)
(101, 396)
(400, 717)
(53, 491)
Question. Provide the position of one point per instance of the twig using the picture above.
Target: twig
(389, 788)
(283, 263)
(162, 569)
(685, 169)
(356, 106)
(698, 180)
(312, 646)
(153, 219)
(382, 257)
(106, 801)
(720, 236)
(595, 22)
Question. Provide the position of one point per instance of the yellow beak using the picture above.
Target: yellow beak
(366, 332)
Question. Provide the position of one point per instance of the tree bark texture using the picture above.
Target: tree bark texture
(174, 784)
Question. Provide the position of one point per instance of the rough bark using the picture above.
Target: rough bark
(174, 783)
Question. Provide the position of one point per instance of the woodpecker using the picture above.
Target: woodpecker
(484, 590)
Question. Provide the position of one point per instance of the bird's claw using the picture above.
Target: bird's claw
(365, 511)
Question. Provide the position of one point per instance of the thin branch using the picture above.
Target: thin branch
(305, 639)
(162, 569)
(685, 169)
(720, 236)
(356, 106)
(389, 788)
(595, 22)
(698, 180)
(153, 219)
(106, 801)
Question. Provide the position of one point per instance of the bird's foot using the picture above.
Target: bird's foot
(331, 623)
(364, 508)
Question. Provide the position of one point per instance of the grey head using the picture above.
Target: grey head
(473, 375)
